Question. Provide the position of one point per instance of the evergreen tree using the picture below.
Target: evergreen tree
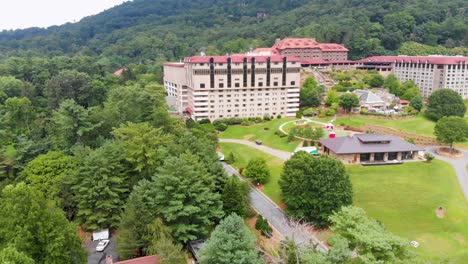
(231, 243)
(184, 197)
(163, 245)
(137, 215)
(234, 197)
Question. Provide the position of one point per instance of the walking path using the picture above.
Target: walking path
(274, 152)
(276, 216)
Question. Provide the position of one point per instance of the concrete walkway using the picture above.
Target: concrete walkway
(276, 216)
(274, 152)
(459, 165)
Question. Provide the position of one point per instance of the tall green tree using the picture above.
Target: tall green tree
(392, 84)
(445, 102)
(71, 123)
(184, 196)
(144, 147)
(36, 228)
(19, 115)
(100, 185)
(451, 129)
(230, 242)
(10, 255)
(10, 87)
(46, 173)
(137, 215)
(348, 100)
(163, 245)
(70, 85)
(257, 170)
(234, 196)
(313, 188)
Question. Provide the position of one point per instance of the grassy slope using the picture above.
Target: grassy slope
(418, 125)
(244, 153)
(257, 132)
(405, 198)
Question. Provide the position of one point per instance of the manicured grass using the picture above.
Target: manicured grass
(244, 154)
(417, 125)
(405, 197)
(258, 132)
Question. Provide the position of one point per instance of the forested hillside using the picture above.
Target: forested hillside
(145, 31)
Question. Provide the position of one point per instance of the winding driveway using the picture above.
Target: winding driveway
(459, 165)
(274, 152)
(276, 216)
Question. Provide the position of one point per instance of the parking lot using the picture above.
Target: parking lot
(100, 257)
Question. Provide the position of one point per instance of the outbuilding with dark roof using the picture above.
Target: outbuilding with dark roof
(370, 148)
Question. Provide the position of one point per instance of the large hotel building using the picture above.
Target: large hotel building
(430, 73)
(216, 87)
(306, 49)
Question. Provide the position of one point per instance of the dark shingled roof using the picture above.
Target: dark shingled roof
(368, 143)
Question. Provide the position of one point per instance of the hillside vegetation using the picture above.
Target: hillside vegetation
(145, 31)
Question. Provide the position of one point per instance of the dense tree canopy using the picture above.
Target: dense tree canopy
(348, 101)
(146, 31)
(36, 228)
(185, 198)
(313, 188)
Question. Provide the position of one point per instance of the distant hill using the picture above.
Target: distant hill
(151, 30)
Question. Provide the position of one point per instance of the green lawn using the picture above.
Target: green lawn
(244, 153)
(405, 197)
(258, 132)
(417, 125)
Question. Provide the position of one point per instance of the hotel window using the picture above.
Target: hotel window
(202, 85)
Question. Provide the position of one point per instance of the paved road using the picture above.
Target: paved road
(275, 215)
(460, 168)
(277, 153)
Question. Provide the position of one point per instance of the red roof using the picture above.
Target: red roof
(272, 50)
(446, 60)
(237, 58)
(142, 260)
(342, 61)
(175, 64)
(314, 61)
(307, 43)
(119, 72)
(332, 47)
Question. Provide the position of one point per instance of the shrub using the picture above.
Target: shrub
(278, 116)
(262, 225)
(266, 128)
(231, 158)
(280, 134)
(305, 144)
(220, 126)
(245, 123)
(266, 117)
(429, 157)
(204, 121)
(309, 112)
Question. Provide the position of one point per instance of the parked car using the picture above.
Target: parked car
(102, 245)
